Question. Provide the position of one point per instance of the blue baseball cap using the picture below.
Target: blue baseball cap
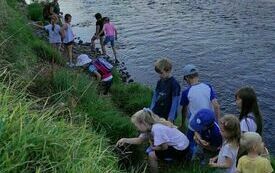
(203, 119)
(189, 70)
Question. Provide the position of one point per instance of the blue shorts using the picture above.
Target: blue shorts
(109, 39)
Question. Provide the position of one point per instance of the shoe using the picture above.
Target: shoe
(70, 64)
(116, 61)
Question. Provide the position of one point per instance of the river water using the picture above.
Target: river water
(232, 42)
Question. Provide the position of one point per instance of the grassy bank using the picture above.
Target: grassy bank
(51, 118)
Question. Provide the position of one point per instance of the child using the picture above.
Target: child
(98, 67)
(207, 135)
(166, 95)
(99, 27)
(54, 32)
(110, 36)
(196, 97)
(252, 162)
(167, 140)
(68, 38)
(226, 160)
(250, 116)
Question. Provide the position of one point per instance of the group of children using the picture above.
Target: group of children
(229, 143)
(61, 32)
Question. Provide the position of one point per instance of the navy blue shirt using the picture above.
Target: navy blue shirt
(212, 135)
(165, 91)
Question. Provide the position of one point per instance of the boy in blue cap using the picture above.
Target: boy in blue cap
(197, 96)
(207, 135)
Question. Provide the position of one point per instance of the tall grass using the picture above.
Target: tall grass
(35, 11)
(32, 141)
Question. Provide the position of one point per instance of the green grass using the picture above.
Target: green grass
(32, 141)
(35, 11)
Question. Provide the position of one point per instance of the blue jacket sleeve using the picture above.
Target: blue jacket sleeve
(174, 108)
(154, 99)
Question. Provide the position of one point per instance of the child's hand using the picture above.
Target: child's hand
(121, 142)
(204, 143)
(213, 164)
(213, 161)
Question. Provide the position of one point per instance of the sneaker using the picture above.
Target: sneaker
(70, 64)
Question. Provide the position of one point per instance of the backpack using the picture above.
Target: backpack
(103, 69)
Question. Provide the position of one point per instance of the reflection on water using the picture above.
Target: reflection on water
(232, 42)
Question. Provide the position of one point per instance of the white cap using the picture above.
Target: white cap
(82, 60)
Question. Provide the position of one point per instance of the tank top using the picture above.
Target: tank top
(69, 36)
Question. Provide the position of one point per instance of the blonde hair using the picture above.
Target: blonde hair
(251, 139)
(163, 64)
(230, 124)
(147, 116)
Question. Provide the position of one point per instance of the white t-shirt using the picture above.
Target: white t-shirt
(197, 97)
(231, 152)
(54, 35)
(248, 124)
(172, 136)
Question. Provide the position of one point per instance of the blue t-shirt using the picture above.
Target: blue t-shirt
(197, 97)
(165, 91)
(212, 135)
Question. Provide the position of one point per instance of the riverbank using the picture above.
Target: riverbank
(52, 119)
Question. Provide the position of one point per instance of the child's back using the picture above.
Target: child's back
(254, 165)
(54, 33)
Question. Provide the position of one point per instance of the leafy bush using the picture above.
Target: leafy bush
(35, 11)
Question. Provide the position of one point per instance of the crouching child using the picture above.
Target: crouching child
(207, 136)
(166, 140)
(99, 68)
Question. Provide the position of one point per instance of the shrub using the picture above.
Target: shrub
(35, 11)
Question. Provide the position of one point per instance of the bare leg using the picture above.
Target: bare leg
(153, 162)
(70, 53)
(101, 43)
(114, 51)
(93, 39)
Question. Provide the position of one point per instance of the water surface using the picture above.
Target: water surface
(232, 42)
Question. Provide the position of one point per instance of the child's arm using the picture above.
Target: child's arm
(63, 29)
(227, 163)
(173, 109)
(115, 33)
(154, 99)
(97, 75)
(163, 146)
(137, 140)
(184, 115)
(37, 25)
(217, 109)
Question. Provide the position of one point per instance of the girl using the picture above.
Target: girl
(250, 116)
(54, 33)
(253, 162)
(166, 140)
(68, 38)
(110, 36)
(230, 131)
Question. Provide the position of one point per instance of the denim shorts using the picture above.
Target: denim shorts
(109, 39)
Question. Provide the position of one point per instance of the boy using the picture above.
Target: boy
(99, 27)
(99, 68)
(110, 36)
(207, 135)
(166, 95)
(196, 97)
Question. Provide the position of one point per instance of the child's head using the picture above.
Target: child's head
(230, 128)
(246, 101)
(83, 60)
(203, 120)
(145, 118)
(68, 18)
(190, 72)
(98, 16)
(106, 19)
(252, 142)
(54, 19)
(163, 67)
